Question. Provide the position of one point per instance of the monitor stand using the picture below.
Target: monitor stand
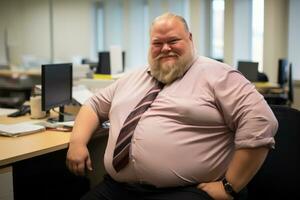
(61, 117)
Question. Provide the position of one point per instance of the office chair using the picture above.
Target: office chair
(262, 77)
(282, 75)
(279, 176)
(291, 86)
(284, 98)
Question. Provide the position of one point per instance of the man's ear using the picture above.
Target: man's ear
(191, 37)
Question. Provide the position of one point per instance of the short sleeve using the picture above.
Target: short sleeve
(245, 111)
(101, 101)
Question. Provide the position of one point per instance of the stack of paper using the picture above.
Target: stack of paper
(80, 93)
(18, 129)
(7, 111)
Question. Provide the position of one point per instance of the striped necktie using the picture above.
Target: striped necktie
(121, 152)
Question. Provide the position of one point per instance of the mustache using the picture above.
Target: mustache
(162, 55)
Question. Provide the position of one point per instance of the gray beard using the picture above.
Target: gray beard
(173, 71)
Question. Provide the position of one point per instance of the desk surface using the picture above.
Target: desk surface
(268, 87)
(13, 149)
(16, 72)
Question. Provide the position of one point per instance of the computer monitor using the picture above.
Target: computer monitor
(104, 66)
(282, 72)
(249, 70)
(57, 81)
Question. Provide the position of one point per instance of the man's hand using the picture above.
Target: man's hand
(78, 159)
(215, 190)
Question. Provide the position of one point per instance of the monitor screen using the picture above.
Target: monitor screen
(282, 72)
(57, 81)
(249, 70)
(104, 64)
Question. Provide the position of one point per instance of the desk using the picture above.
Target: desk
(14, 73)
(266, 87)
(273, 93)
(13, 149)
(37, 153)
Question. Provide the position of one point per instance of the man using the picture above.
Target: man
(204, 136)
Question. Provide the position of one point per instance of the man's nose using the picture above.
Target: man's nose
(166, 47)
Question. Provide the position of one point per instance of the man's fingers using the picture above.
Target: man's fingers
(89, 164)
(80, 168)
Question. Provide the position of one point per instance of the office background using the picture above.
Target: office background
(33, 32)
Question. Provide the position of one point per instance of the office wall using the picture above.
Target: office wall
(228, 31)
(294, 37)
(275, 35)
(294, 46)
(200, 25)
(33, 30)
(135, 47)
(27, 26)
(237, 31)
(3, 35)
(242, 29)
(61, 30)
(72, 29)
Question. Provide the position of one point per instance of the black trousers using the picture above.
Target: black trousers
(110, 189)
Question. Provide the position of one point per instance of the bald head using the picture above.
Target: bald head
(169, 17)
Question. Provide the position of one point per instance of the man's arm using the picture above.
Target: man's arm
(78, 158)
(243, 166)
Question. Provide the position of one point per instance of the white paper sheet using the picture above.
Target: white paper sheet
(7, 111)
(81, 93)
(19, 129)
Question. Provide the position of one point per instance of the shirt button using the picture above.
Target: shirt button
(134, 140)
(133, 160)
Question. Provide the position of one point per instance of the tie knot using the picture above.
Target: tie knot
(160, 84)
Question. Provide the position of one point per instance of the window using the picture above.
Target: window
(257, 32)
(126, 23)
(217, 45)
(100, 26)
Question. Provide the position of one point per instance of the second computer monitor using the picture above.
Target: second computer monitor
(104, 64)
(57, 80)
(282, 72)
(249, 70)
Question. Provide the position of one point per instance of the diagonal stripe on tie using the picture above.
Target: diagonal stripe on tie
(121, 152)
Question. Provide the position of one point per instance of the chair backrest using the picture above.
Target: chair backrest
(262, 77)
(291, 85)
(279, 176)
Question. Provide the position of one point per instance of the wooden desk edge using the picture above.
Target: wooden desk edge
(12, 160)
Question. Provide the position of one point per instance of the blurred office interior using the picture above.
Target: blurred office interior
(35, 32)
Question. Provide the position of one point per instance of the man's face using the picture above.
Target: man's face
(171, 50)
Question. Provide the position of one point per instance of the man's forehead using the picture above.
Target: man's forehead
(163, 37)
(166, 27)
(165, 23)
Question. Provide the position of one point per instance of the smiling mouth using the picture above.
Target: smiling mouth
(167, 57)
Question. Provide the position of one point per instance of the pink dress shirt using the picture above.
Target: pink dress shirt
(189, 133)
